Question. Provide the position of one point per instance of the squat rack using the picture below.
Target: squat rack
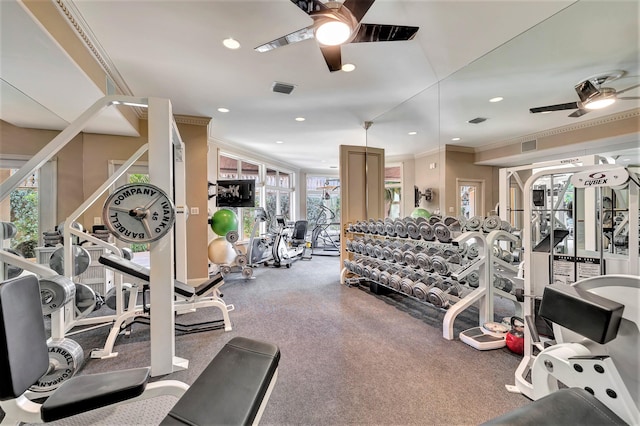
(167, 255)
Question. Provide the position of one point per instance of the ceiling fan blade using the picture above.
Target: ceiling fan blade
(294, 37)
(358, 7)
(378, 32)
(586, 90)
(308, 6)
(559, 107)
(332, 57)
(627, 89)
(578, 113)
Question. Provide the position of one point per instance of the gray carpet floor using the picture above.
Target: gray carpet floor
(348, 356)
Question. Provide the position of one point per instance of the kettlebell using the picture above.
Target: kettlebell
(515, 337)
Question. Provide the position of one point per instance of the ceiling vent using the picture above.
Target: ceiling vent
(477, 120)
(285, 88)
(529, 146)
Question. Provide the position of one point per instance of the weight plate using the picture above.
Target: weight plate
(241, 260)
(380, 227)
(472, 251)
(65, 359)
(389, 229)
(473, 279)
(387, 253)
(450, 220)
(55, 292)
(225, 270)
(437, 298)
(375, 274)
(139, 213)
(505, 226)
(85, 300)
(368, 248)
(371, 226)
(247, 272)
(433, 219)
(232, 236)
(495, 327)
(377, 252)
(81, 260)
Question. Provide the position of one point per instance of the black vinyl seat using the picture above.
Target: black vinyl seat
(233, 389)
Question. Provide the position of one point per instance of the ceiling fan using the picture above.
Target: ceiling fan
(592, 95)
(335, 24)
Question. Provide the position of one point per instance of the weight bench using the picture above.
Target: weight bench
(233, 389)
(188, 299)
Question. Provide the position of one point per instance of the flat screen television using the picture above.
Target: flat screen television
(236, 193)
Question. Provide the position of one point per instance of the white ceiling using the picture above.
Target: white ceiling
(531, 53)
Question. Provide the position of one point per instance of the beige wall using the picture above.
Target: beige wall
(83, 165)
(426, 177)
(460, 166)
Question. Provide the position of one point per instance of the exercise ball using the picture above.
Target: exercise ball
(224, 221)
(221, 251)
(420, 212)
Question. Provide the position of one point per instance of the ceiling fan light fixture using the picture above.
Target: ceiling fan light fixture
(333, 33)
(606, 97)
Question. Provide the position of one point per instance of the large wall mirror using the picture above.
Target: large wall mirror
(536, 68)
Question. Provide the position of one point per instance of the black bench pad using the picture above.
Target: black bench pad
(142, 272)
(231, 388)
(84, 393)
(572, 406)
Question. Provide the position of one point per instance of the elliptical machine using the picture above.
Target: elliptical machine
(290, 243)
(259, 245)
(323, 242)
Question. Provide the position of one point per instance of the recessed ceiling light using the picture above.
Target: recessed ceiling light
(496, 99)
(348, 67)
(279, 141)
(455, 139)
(546, 112)
(300, 118)
(413, 133)
(223, 109)
(231, 43)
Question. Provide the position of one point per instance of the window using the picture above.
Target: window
(274, 190)
(393, 191)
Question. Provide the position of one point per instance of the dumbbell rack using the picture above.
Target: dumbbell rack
(504, 273)
(435, 273)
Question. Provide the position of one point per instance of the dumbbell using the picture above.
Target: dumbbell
(400, 228)
(394, 281)
(380, 230)
(426, 231)
(505, 226)
(434, 218)
(349, 244)
(420, 290)
(407, 283)
(474, 224)
(473, 251)
(491, 223)
(442, 232)
(440, 298)
(423, 261)
(347, 264)
(502, 283)
(368, 249)
(412, 228)
(389, 227)
(434, 250)
(440, 265)
(398, 253)
(387, 252)
(473, 279)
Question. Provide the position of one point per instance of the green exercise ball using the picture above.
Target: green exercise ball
(224, 221)
(420, 212)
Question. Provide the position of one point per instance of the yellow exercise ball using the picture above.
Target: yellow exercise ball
(221, 252)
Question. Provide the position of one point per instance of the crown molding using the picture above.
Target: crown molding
(77, 22)
(564, 129)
